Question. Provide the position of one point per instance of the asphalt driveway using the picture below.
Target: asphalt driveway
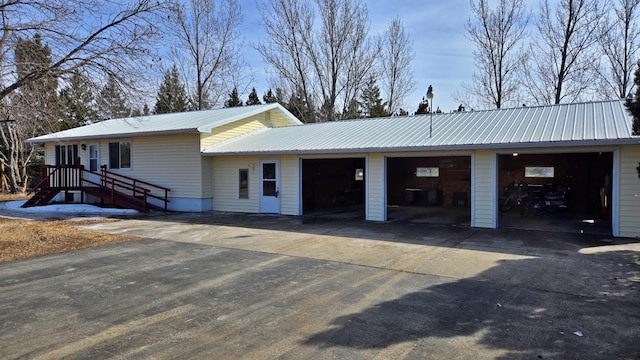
(260, 287)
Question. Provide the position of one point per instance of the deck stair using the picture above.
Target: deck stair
(111, 189)
(41, 196)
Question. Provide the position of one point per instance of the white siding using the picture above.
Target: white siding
(169, 161)
(629, 203)
(484, 189)
(375, 196)
(290, 185)
(226, 186)
(207, 176)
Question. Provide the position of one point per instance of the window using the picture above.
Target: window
(93, 157)
(539, 171)
(120, 155)
(269, 186)
(428, 172)
(67, 154)
(244, 184)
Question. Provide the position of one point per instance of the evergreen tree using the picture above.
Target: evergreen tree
(352, 111)
(269, 98)
(298, 107)
(37, 99)
(280, 97)
(633, 103)
(371, 102)
(423, 107)
(144, 112)
(403, 112)
(234, 99)
(111, 102)
(78, 103)
(33, 105)
(253, 98)
(172, 96)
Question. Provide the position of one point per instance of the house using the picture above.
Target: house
(261, 159)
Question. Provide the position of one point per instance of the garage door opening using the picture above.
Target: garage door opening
(558, 192)
(429, 189)
(333, 187)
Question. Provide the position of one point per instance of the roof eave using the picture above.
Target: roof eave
(528, 145)
(38, 140)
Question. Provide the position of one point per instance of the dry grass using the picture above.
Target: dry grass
(11, 197)
(21, 239)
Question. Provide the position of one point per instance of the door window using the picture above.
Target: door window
(269, 187)
(93, 158)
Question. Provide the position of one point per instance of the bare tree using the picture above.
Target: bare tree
(619, 43)
(561, 66)
(328, 60)
(285, 22)
(97, 38)
(208, 47)
(498, 35)
(397, 73)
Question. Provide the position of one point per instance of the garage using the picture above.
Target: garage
(559, 191)
(429, 189)
(333, 186)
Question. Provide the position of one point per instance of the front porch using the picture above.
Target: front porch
(109, 188)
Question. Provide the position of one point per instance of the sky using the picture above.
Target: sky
(443, 56)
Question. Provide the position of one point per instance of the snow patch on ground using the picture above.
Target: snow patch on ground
(14, 209)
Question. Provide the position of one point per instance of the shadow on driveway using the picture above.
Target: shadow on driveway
(591, 319)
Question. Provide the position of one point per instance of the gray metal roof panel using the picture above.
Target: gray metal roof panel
(174, 123)
(563, 124)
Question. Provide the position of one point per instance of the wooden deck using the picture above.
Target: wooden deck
(112, 189)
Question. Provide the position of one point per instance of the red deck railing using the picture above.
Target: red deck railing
(76, 177)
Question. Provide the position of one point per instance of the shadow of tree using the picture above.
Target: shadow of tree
(519, 314)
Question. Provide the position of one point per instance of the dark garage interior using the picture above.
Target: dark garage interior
(582, 182)
(429, 189)
(333, 186)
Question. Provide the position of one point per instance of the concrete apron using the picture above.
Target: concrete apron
(444, 251)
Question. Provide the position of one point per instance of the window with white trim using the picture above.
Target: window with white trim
(120, 155)
(243, 184)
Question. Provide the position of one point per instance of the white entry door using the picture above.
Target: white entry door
(269, 186)
(93, 162)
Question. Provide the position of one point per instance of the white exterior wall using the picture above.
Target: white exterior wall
(226, 187)
(290, 186)
(207, 182)
(483, 189)
(172, 161)
(375, 197)
(629, 203)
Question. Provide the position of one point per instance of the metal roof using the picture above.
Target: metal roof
(581, 124)
(174, 123)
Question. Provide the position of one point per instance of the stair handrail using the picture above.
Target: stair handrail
(133, 185)
(109, 180)
(46, 176)
(45, 179)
